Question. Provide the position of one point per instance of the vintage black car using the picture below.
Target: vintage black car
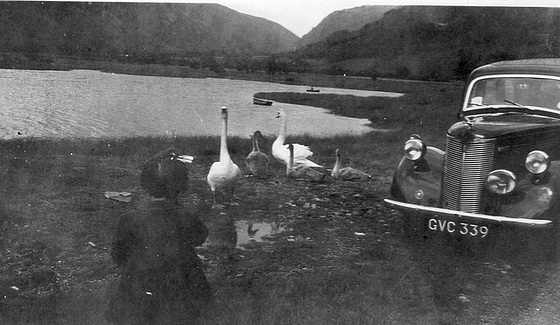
(501, 164)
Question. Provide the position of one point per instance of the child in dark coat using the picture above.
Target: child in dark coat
(162, 278)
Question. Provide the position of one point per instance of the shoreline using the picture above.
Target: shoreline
(162, 70)
(385, 114)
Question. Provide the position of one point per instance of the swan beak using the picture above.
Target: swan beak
(185, 159)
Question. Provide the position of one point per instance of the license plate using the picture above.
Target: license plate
(456, 227)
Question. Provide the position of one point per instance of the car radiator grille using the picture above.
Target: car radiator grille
(466, 169)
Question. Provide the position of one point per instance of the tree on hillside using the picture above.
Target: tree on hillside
(444, 42)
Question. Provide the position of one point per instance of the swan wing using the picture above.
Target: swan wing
(306, 163)
(257, 156)
(280, 151)
(214, 176)
(257, 162)
(236, 173)
(301, 153)
(307, 173)
(350, 174)
(231, 175)
(223, 175)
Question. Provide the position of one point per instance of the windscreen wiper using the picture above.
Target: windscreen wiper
(517, 104)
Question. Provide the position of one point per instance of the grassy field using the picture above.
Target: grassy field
(427, 109)
(340, 260)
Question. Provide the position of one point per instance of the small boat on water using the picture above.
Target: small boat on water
(313, 90)
(260, 101)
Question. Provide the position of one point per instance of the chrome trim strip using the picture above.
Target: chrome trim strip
(477, 216)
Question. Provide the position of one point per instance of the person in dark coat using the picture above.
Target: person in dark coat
(161, 277)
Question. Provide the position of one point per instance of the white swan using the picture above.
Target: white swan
(347, 173)
(280, 150)
(223, 174)
(302, 172)
(257, 161)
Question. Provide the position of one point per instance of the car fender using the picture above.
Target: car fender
(540, 197)
(420, 181)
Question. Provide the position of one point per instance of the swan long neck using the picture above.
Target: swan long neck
(283, 127)
(291, 160)
(255, 142)
(337, 163)
(257, 145)
(224, 154)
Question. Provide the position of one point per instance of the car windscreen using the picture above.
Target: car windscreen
(514, 91)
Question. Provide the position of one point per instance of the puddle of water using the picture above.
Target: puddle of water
(248, 231)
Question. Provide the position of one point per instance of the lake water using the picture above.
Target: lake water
(85, 103)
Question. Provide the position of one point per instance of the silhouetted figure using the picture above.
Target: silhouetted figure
(162, 278)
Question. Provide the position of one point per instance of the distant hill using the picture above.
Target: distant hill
(347, 19)
(412, 42)
(437, 42)
(136, 29)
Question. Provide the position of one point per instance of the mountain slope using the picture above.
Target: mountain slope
(348, 19)
(141, 29)
(441, 42)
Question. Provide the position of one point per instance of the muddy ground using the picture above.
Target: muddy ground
(56, 236)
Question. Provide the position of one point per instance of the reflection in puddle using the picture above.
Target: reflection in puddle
(248, 231)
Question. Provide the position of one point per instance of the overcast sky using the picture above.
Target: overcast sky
(300, 16)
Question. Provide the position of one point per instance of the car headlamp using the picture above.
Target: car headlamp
(537, 162)
(414, 148)
(501, 181)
